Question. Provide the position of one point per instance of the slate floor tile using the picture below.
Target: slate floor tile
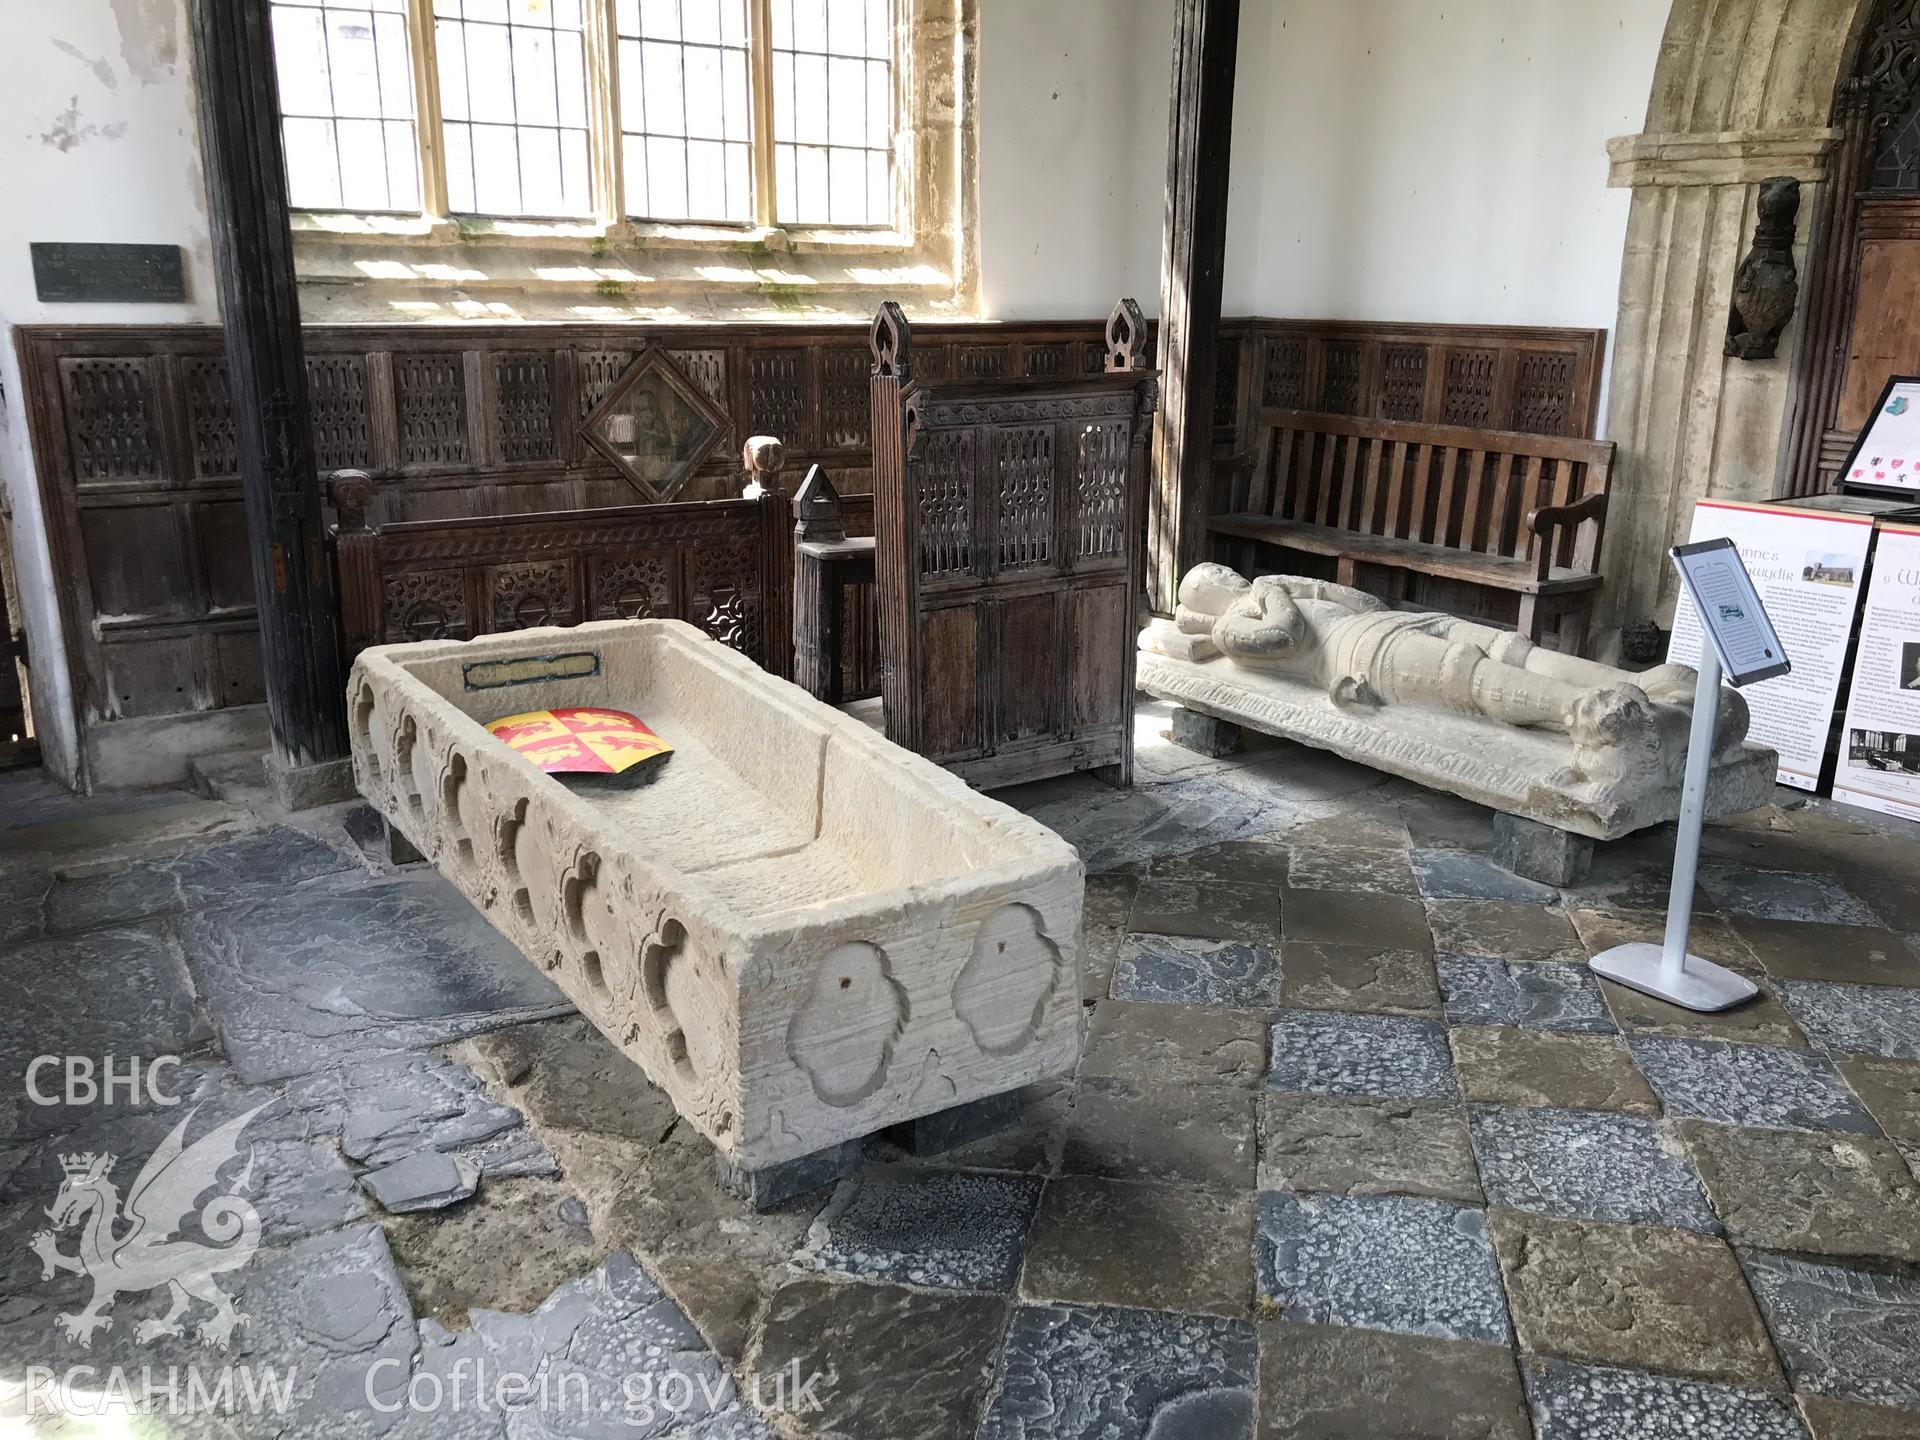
(122, 992)
(1154, 1132)
(23, 889)
(1763, 1020)
(1358, 977)
(1149, 1247)
(1639, 1296)
(1838, 954)
(1582, 1402)
(1352, 917)
(1338, 1145)
(330, 971)
(1846, 1332)
(1324, 1052)
(1784, 895)
(1323, 1381)
(1504, 1065)
(1208, 910)
(895, 1362)
(1175, 1045)
(1378, 872)
(196, 875)
(1815, 1193)
(1104, 920)
(1890, 1089)
(1857, 1019)
(1074, 1371)
(1484, 990)
(1504, 929)
(1436, 819)
(1183, 970)
(1831, 1419)
(944, 1229)
(1711, 937)
(1260, 862)
(1632, 881)
(1361, 825)
(1380, 1262)
(1586, 1165)
(1764, 1085)
(1464, 875)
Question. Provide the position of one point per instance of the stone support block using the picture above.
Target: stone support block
(1540, 852)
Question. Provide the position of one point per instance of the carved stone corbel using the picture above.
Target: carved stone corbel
(1766, 287)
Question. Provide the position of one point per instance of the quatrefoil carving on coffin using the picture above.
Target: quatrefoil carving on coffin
(656, 426)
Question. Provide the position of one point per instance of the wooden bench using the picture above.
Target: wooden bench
(1500, 513)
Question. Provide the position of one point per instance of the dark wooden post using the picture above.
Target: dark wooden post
(266, 372)
(1206, 36)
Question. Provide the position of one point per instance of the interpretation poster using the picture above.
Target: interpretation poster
(1888, 455)
(1807, 566)
(1880, 748)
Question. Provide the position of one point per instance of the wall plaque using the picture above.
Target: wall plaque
(74, 274)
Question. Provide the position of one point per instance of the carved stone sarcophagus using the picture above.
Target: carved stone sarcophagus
(801, 932)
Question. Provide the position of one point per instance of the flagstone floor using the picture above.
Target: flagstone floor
(1358, 1147)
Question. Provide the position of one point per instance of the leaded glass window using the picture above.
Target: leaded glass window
(346, 104)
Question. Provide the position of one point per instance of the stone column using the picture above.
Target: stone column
(1744, 90)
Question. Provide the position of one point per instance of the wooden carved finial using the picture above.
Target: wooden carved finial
(1126, 337)
(816, 509)
(892, 340)
(352, 494)
(764, 458)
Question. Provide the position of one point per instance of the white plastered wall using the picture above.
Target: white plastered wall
(100, 133)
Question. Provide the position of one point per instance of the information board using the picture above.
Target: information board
(1806, 566)
(1880, 744)
(1887, 455)
(1729, 607)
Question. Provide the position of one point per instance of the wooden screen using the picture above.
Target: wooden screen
(1008, 522)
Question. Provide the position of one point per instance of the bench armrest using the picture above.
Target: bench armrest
(1548, 520)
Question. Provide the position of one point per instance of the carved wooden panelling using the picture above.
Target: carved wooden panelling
(1340, 367)
(984, 362)
(534, 592)
(638, 587)
(337, 394)
(430, 397)
(1470, 380)
(1543, 393)
(944, 502)
(726, 594)
(705, 368)
(1100, 486)
(599, 371)
(845, 403)
(426, 605)
(1286, 384)
(523, 407)
(1024, 463)
(778, 398)
(1048, 362)
(216, 455)
(1403, 388)
(1226, 386)
(113, 422)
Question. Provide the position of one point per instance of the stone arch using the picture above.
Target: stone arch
(1743, 90)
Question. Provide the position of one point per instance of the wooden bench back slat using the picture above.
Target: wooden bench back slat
(1443, 531)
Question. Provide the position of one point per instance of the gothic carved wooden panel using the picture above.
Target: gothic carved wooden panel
(1100, 479)
(337, 393)
(522, 408)
(1024, 524)
(1543, 397)
(426, 605)
(707, 369)
(942, 490)
(984, 362)
(531, 593)
(1049, 362)
(634, 587)
(777, 402)
(1340, 367)
(845, 423)
(1286, 382)
(1469, 393)
(215, 455)
(113, 422)
(1404, 382)
(727, 594)
(430, 399)
(599, 372)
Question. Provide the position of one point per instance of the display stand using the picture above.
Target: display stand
(1741, 636)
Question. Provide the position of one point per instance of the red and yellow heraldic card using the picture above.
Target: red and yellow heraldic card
(579, 740)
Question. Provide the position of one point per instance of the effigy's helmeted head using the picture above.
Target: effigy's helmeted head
(1212, 589)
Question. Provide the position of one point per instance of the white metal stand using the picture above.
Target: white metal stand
(1667, 971)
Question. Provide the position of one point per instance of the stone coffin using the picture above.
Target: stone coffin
(1529, 773)
(801, 932)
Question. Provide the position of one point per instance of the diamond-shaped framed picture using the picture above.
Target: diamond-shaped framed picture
(656, 426)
